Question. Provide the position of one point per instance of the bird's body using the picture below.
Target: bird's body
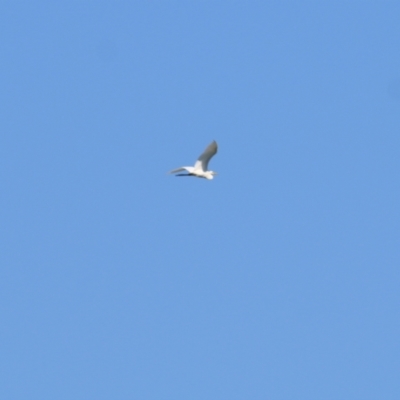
(200, 169)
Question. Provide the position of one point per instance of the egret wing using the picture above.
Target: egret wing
(174, 171)
(203, 160)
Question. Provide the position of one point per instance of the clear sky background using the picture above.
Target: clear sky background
(279, 279)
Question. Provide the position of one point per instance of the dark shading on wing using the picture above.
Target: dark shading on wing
(205, 157)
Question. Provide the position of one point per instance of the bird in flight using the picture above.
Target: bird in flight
(200, 167)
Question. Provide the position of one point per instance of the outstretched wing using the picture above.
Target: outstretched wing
(187, 169)
(209, 152)
(174, 171)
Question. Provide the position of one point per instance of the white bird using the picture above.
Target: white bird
(200, 167)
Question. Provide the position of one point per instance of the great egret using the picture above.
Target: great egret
(200, 167)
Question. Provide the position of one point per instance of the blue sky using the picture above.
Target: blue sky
(279, 279)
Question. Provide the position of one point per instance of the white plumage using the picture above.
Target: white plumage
(200, 169)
